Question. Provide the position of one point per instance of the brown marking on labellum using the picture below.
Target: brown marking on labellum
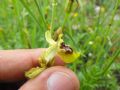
(68, 49)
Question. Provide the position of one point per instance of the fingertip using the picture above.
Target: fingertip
(14, 63)
(54, 78)
(58, 61)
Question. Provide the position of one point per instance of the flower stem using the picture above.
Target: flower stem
(68, 11)
(40, 12)
(112, 59)
(53, 15)
(27, 8)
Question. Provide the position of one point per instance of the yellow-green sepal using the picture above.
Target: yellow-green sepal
(32, 73)
(68, 58)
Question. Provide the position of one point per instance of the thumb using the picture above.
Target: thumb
(54, 78)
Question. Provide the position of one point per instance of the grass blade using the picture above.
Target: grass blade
(40, 12)
(27, 8)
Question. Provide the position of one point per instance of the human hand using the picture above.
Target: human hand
(14, 63)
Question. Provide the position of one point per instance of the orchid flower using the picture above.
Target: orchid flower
(47, 58)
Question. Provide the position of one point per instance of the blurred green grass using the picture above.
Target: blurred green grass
(93, 28)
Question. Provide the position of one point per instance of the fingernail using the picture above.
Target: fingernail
(60, 81)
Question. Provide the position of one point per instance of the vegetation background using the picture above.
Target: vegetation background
(89, 26)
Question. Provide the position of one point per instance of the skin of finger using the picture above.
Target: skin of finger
(40, 82)
(14, 63)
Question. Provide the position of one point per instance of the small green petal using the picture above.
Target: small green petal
(32, 73)
(49, 38)
(68, 58)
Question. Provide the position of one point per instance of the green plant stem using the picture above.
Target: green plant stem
(40, 12)
(68, 11)
(53, 15)
(118, 51)
(113, 13)
(65, 20)
(112, 59)
(69, 8)
(27, 8)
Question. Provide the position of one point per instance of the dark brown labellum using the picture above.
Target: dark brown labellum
(68, 49)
